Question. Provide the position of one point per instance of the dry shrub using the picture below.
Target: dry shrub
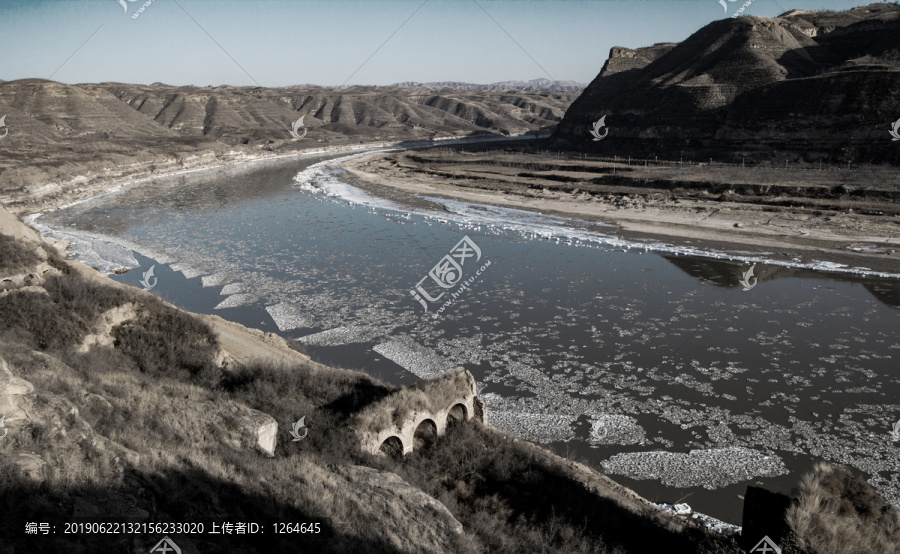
(839, 513)
(16, 256)
(515, 501)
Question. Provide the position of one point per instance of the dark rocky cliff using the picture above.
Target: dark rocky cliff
(804, 85)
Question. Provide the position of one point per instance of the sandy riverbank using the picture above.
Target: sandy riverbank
(88, 183)
(841, 237)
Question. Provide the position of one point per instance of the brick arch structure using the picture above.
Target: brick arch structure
(461, 386)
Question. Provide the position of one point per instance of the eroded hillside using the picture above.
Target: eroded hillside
(810, 85)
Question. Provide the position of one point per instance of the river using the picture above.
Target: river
(678, 370)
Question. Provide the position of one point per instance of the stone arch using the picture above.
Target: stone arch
(425, 434)
(392, 447)
(458, 413)
(440, 406)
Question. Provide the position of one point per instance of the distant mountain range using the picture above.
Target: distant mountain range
(546, 85)
(57, 131)
(804, 85)
(248, 115)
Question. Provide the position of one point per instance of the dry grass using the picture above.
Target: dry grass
(145, 419)
(838, 513)
(14, 258)
(515, 500)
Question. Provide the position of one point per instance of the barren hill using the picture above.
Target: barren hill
(534, 84)
(812, 85)
(63, 136)
(240, 114)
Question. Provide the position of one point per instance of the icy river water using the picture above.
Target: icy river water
(653, 362)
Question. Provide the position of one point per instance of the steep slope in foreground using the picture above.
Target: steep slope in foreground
(117, 404)
(811, 85)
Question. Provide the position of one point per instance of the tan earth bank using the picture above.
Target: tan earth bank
(843, 231)
(241, 344)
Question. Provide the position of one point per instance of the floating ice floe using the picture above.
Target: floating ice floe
(415, 358)
(339, 336)
(289, 316)
(710, 469)
(232, 288)
(186, 270)
(214, 280)
(540, 428)
(235, 300)
(615, 429)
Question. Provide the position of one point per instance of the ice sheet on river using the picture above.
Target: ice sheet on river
(710, 469)
(290, 316)
(540, 428)
(104, 253)
(345, 334)
(616, 429)
(326, 177)
(236, 300)
(415, 358)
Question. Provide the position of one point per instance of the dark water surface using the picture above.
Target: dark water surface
(660, 367)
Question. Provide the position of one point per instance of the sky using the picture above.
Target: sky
(275, 43)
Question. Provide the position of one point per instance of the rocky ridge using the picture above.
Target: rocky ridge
(804, 85)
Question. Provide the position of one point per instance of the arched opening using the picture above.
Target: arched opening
(392, 447)
(425, 435)
(457, 415)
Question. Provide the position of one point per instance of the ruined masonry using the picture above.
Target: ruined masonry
(439, 402)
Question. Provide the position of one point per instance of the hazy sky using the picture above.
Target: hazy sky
(284, 42)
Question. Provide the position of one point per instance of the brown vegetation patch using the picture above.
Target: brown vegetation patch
(839, 513)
